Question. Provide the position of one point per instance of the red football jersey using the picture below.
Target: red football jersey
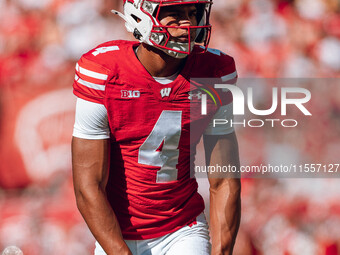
(149, 186)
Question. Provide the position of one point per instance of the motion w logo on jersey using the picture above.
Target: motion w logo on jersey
(165, 92)
(130, 93)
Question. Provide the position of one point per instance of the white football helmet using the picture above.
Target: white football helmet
(141, 18)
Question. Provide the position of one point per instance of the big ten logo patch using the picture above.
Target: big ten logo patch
(130, 93)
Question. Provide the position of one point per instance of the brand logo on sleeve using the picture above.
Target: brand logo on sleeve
(195, 95)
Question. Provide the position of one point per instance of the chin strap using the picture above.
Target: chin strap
(178, 46)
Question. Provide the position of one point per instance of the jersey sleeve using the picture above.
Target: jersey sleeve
(90, 80)
(224, 113)
(226, 69)
(91, 121)
(227, 74)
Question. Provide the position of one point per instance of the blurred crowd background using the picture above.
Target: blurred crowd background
(40, 42)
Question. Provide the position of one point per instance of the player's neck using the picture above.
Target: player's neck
(158, 63)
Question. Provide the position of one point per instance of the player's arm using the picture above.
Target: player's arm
(225, 191)
(90, 164)
(221, 148)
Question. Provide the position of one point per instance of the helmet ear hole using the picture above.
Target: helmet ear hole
(137, 34)
(136, 18)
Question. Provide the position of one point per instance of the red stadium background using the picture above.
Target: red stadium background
(40, 42)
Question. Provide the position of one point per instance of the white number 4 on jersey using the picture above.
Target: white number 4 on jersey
(167, 131)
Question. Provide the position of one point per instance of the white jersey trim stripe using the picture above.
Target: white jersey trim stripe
(91, 73)
(89, 84)
(229, 76)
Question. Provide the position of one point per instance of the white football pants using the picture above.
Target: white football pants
(192, 240)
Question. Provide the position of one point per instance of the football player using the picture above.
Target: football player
(134, 139)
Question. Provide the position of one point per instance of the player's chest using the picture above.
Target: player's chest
(138, 91)
(136, 108)
(137, 105)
